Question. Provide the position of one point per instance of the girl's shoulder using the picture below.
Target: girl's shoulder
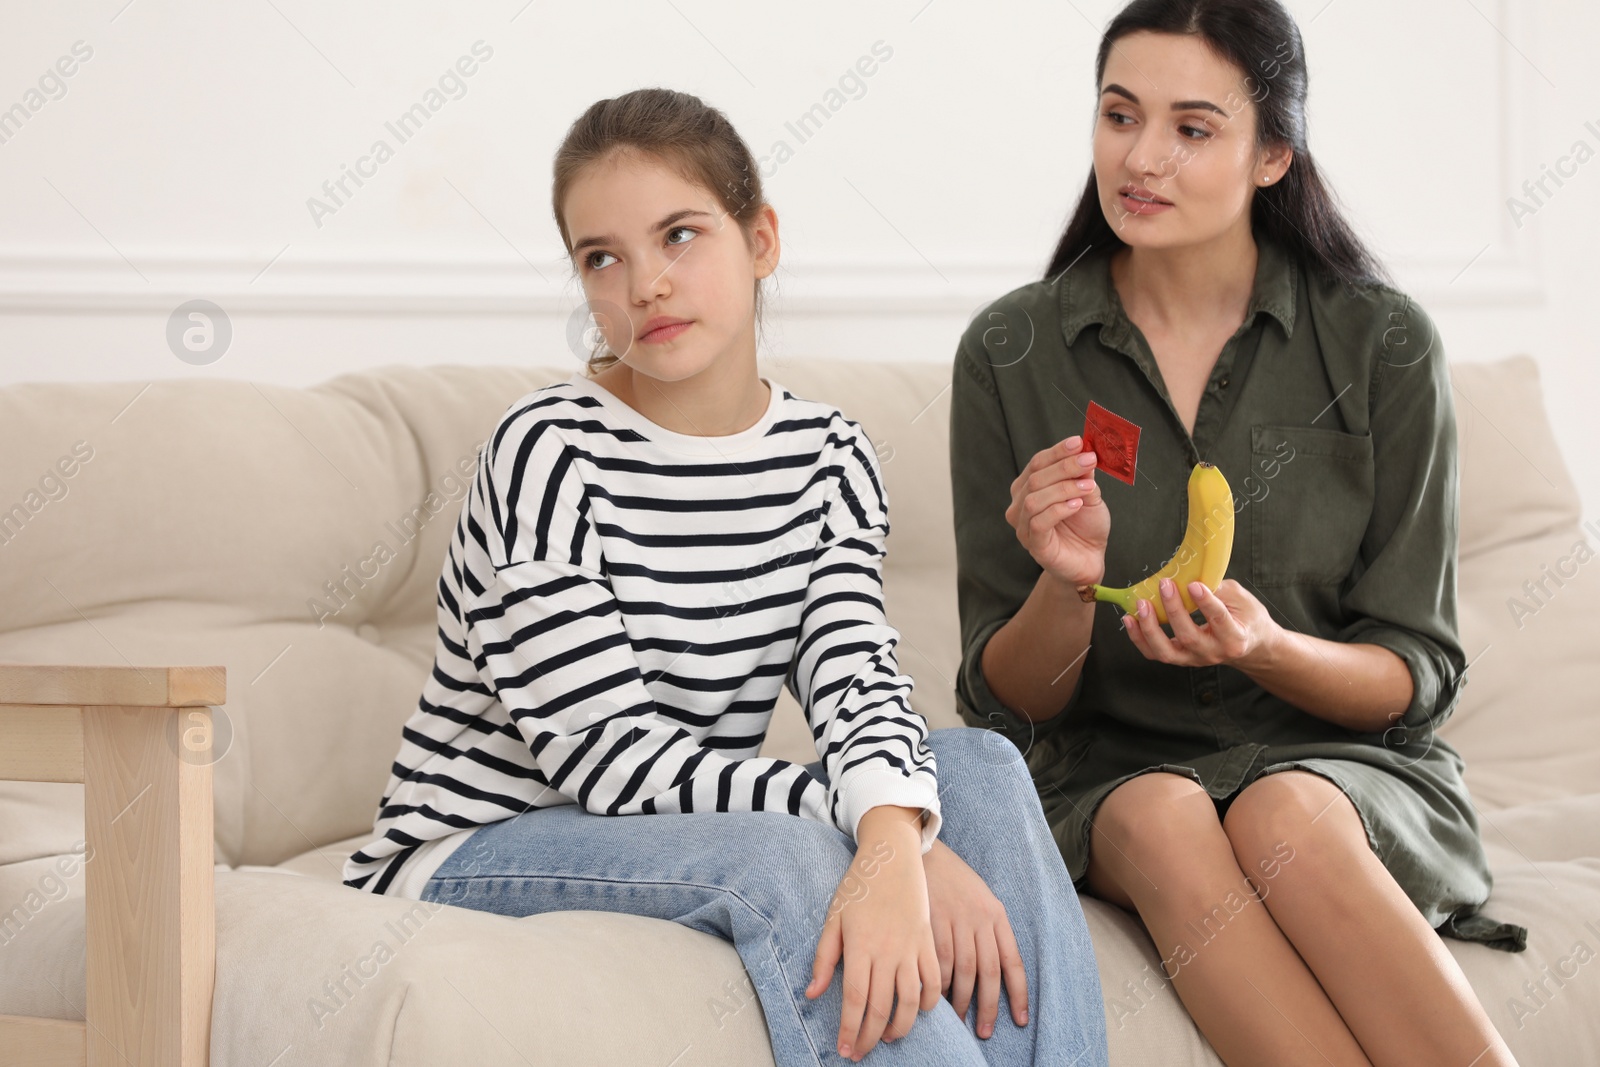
(558, 410)
(570, 412)
(820, 425)
(819, 416)
(840, 446)
(554, 401)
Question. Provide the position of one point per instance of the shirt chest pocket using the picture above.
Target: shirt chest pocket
(1311, 506)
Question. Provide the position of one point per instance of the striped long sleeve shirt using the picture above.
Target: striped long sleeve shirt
(618, 612)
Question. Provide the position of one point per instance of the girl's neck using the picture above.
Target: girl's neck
(707, 404)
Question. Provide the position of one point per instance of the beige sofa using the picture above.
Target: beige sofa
(294, 536)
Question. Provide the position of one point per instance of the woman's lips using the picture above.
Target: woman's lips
(664, 333)
(1142, 207)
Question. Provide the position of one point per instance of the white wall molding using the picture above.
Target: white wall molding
(72, 281)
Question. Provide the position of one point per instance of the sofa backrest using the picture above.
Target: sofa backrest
(296, 535)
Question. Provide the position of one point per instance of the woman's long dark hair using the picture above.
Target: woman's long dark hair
(1298, 211)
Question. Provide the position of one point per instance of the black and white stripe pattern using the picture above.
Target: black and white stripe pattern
(619, 610)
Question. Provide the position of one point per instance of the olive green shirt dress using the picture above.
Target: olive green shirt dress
(1330, 413)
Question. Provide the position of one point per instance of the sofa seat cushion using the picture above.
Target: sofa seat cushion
(332, 976)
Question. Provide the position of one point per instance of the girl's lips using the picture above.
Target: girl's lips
(1142, 207)
(664, 333)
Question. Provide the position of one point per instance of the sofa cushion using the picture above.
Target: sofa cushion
(1527, 724)
(1514, 482)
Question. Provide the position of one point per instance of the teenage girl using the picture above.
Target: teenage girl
(649, 552)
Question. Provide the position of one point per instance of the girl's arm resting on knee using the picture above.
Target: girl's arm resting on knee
(844, 673)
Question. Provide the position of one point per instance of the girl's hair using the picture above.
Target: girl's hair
(1259, 37)
(682, 132)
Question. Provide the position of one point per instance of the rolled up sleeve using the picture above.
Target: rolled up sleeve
(1405, 597)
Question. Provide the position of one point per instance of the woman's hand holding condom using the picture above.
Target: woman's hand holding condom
(1058, 514)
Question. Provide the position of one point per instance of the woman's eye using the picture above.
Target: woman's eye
(589, 259)
(1186, 130)
(680, 229)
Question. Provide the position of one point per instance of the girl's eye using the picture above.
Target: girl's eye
(589, 259)
(1116, 115)
(1202, 132)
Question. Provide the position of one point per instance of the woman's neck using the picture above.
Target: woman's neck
(1188, 287)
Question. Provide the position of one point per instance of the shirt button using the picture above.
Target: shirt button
(1209, 696)
(1223, 383)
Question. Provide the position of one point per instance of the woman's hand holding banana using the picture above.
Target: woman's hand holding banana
(1238, 630)
(1060, 518)
(1058, 514)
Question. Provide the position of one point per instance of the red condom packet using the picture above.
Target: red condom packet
(1114, 441)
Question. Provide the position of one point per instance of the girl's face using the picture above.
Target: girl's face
(650, 248)
(1189, 141)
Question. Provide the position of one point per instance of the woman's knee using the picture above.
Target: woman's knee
(1157, 819)
(1294, 819)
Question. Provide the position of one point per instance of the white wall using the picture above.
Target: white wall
(179, 161)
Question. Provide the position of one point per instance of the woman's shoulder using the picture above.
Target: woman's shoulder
(1367, 329)
(1015, 323)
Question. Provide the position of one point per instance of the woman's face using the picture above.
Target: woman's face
(1187, 137)
(650, 245)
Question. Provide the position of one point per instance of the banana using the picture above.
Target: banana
(1201, 557)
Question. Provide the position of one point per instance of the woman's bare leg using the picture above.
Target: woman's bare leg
(1339, 906)
(1159, 849)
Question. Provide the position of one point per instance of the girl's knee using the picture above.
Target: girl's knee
(791, 877)
(794, 850)
(988, 745)
(979, 764)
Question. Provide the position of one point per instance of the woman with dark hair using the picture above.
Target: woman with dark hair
(1259, 781)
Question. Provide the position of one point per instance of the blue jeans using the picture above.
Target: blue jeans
(764, 881)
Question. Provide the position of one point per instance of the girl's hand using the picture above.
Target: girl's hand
(878, 922)
(1058, 514)
(1238, 630)
(973, 939)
